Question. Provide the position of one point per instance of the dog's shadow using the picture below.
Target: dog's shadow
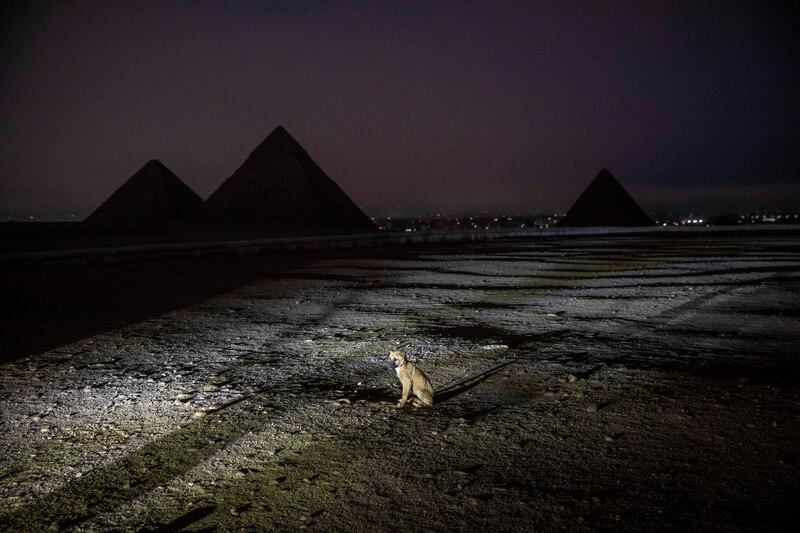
(390, 396)
(454, 390)
(467, 384)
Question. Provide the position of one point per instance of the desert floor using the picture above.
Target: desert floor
(587, 383)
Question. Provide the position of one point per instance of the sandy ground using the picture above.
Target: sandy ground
(625, 383)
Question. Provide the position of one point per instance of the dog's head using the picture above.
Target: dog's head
(397, 357)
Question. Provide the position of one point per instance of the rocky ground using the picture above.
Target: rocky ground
(625, 383)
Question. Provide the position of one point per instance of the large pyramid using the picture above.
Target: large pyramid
(154, 195)
(605, 203)
(279, 189)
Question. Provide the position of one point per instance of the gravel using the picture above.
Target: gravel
(618, 382)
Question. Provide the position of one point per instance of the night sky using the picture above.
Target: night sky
(454, 107)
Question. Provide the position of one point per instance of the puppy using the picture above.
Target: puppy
(413, 380)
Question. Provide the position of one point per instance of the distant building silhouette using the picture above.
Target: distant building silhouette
(154, 195)
(605, 203)
(281, 190)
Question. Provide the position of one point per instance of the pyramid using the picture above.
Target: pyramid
(605, 203)
(154, 195)
(281, 190)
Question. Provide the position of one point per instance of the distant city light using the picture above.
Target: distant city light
(438, 221)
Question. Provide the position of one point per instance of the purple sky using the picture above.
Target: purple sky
(410, 108)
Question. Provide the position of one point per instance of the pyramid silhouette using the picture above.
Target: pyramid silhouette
(154, 195)
(279, 188)
(605, 203)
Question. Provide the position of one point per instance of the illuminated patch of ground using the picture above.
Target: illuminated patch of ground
(639, 383)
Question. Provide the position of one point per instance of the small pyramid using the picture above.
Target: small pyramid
(605, 203)
(154, 195)
(279, 188)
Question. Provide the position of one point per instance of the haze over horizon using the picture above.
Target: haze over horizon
(454, 107)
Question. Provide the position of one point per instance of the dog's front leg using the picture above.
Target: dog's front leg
(406, 392)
